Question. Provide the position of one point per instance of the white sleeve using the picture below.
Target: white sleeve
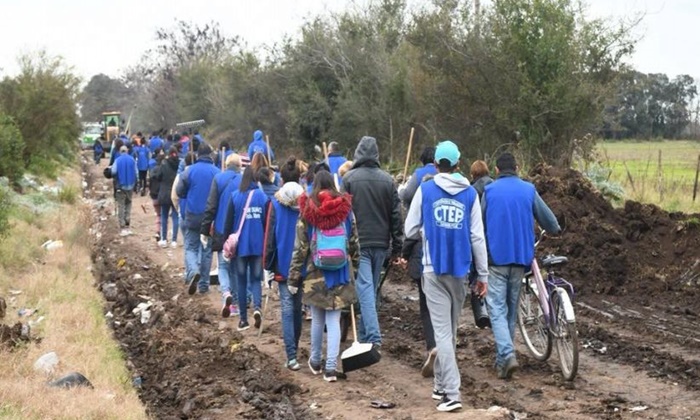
(414, 218)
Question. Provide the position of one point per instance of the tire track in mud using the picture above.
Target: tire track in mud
(185, 365)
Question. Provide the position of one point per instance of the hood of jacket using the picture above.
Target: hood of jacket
(452, 184)
(258, 135)
(173, 162)
(331, 212)
(366, 153)
(289, 194)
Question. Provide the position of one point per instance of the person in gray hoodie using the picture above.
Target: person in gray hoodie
(377, 207)
(446, 214)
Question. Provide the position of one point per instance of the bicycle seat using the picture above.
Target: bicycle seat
(552, 260)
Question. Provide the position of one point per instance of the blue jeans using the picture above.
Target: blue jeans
(197, 259)
(502, 300)
(291, 319)
(371, 262)
(331, 320)
(249, 272)
(164, 211)
(227, 277)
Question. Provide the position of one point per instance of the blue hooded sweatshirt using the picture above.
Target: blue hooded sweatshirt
(250, 242)
(194, 185)
(142, 154)
(259, 145)
(155, 143)
(125, 169)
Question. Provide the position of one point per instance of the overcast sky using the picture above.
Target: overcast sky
(99, 36)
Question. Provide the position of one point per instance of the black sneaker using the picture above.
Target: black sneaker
(192, 287)
(449, 405)
(315, 368)
(243, 325)
(438, 395)
(330, 376)
(257, 316)
(226, 309)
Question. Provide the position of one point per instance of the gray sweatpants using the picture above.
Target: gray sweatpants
(124, 207)
(445, 296)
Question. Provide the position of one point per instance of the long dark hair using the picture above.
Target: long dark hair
(247, 179)
(323, 181)
(290, 171)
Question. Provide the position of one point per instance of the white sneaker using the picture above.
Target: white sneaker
(163, 244)
(124, 232)
(173, 244)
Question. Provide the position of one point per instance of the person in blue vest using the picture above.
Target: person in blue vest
(408, 190)
(98, 150)
(258, 145)
(212, 230)
(155, 142)
(335, 158)
(185, 142)
(168, 143)
(446, 214)
(266, 177)
(124, 172)
(142, 154)
(281, 231)
(228, 152)
(249, 252)
(194, 185)
(510, 206)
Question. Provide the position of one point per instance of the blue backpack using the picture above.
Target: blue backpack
(329, 247)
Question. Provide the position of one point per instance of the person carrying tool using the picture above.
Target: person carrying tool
(258, 145)
(446, 214)
(326, 239)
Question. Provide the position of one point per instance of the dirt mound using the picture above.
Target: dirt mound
(639, 250)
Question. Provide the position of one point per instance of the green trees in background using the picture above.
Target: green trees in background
(531, 75)
(42, 101)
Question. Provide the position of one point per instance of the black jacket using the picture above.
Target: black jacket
(375, 200)
(166, 175)
(413, 252)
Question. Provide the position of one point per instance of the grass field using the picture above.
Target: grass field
(635, 165)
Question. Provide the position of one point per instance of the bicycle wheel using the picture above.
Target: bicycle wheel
(566, 337)
(532, 324)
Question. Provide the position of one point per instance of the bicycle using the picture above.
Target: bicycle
(545, 314)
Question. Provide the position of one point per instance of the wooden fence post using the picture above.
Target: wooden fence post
(695, 186)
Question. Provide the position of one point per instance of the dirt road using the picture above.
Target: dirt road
(637, 361)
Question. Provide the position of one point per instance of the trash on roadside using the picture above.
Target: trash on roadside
(639, 408)
(382, 404)
(47, 363)
(52, 245)
(137, 382)
(26, 312)
(35, 323)
(143, 308)
(138, 276)
(15, 292)
(411, 298)
(71, 380)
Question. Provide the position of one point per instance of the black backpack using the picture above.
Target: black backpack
(107, 172)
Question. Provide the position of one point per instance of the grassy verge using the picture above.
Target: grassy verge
(60, 285)
(635, 165)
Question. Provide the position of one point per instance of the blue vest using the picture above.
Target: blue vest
(142, 157)
(251, 240)
(126, 171)
(226, 183)
(509, 221)
(447, 226)
(421, 172)
(334, 162)
(199, 179)
(285, 232)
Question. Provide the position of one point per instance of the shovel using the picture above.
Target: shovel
(358, 355)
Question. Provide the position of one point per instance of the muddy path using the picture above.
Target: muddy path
(193, 364)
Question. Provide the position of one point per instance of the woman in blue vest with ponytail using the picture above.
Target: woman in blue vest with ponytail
(246, 216)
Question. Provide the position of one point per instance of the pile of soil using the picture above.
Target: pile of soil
(640, 250)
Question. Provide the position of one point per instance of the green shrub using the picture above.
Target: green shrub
(11, 149)
(68, 194)
(5, 207)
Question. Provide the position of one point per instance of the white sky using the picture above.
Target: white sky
(79, 30)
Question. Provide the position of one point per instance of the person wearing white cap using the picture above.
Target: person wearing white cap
(125, 172)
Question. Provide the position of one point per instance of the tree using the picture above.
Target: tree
(102, 94)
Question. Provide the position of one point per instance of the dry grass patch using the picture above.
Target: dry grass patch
(60, 285)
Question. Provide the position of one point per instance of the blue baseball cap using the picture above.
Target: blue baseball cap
(447, 150)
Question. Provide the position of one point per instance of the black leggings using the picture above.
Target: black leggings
(142, 179)
(425, 318)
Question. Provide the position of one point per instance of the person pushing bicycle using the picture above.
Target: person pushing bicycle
(510, 207)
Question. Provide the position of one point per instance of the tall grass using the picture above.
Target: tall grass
(59, 283)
